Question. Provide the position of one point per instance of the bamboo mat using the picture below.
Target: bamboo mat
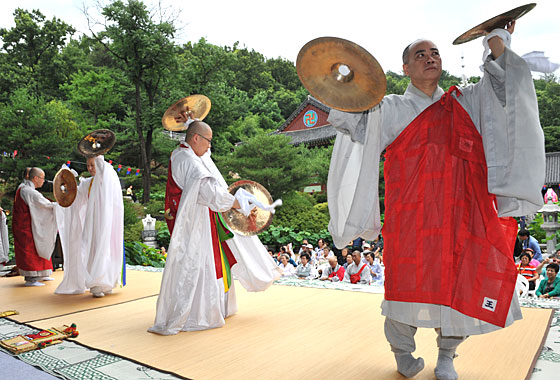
(34, 303)
(296, 333)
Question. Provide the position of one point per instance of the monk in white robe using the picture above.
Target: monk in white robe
(4, 239)
(34, 229)
(197, 291)
(502, 112)
(91, 233)
(357, 272)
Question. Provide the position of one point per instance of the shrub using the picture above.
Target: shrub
(132, 212)
(163, 235)
(536, 230)
(277, 235)
(140, 254)
(155, 207)
(133, 232)
(299, 212)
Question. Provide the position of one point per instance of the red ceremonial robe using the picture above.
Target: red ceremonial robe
(444, 242)
(172, 197)
(27, 258)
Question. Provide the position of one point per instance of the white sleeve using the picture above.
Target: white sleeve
(43, 221)
(352, 186)
(214, 196)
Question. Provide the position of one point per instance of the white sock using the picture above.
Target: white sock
(445, 370)
(408, 366)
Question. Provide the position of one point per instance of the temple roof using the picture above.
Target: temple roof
(309, 101)
(312, 136)
(552, 176)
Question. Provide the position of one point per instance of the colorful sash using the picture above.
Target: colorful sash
(223, 257)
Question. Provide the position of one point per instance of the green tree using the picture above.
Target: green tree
(269, 160)
(43, 133)
(143, 47)
(94, 91)
(32, 46)
(548, 97)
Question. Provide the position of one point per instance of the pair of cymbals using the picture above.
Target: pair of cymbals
(199, 105)
(345, 76)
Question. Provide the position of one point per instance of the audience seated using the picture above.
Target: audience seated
(375, 269)
(348, 261)
(287, 268)
(334, 272)
(305, 270)
(551, 286)
(554, 258)
(531, 253)
(357, 272)
(528, 271)
(342, 258)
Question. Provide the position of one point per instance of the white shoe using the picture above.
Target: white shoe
(98, 295)
(46, 279)
(34, 283)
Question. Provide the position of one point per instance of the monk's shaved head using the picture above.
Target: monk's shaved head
(197, 128)
(36, 172)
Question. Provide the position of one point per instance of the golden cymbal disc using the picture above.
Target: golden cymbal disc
(65, 187)
(500, 21)
(259, 219)
(341, 74)
(97, 142)
(198, 104)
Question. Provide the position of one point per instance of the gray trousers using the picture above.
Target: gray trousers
(401, 338)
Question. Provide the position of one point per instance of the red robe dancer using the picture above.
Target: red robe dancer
(28, 261)
(444, 242)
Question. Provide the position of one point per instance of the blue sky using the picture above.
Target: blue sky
(384, 28)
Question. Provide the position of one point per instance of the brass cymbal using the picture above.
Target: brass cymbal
(65, 187)
(259, 219)
(341, 74)
(198, 104)
(97, 142)
(500, 21)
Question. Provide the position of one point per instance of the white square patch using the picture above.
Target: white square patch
(489, 304)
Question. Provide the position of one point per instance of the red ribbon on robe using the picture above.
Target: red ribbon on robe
(444, 242)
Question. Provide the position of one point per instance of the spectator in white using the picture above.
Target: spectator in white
(374, 269)
(357, 272)
(530, 242)
(348, 261)
(288, 269)
(334, 272)
(322, 261)
(305, 270)
(320, 245)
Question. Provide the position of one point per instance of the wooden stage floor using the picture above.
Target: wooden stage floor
(283, 333)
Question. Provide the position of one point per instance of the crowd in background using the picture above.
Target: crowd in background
(359, 262)
(540, 272)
